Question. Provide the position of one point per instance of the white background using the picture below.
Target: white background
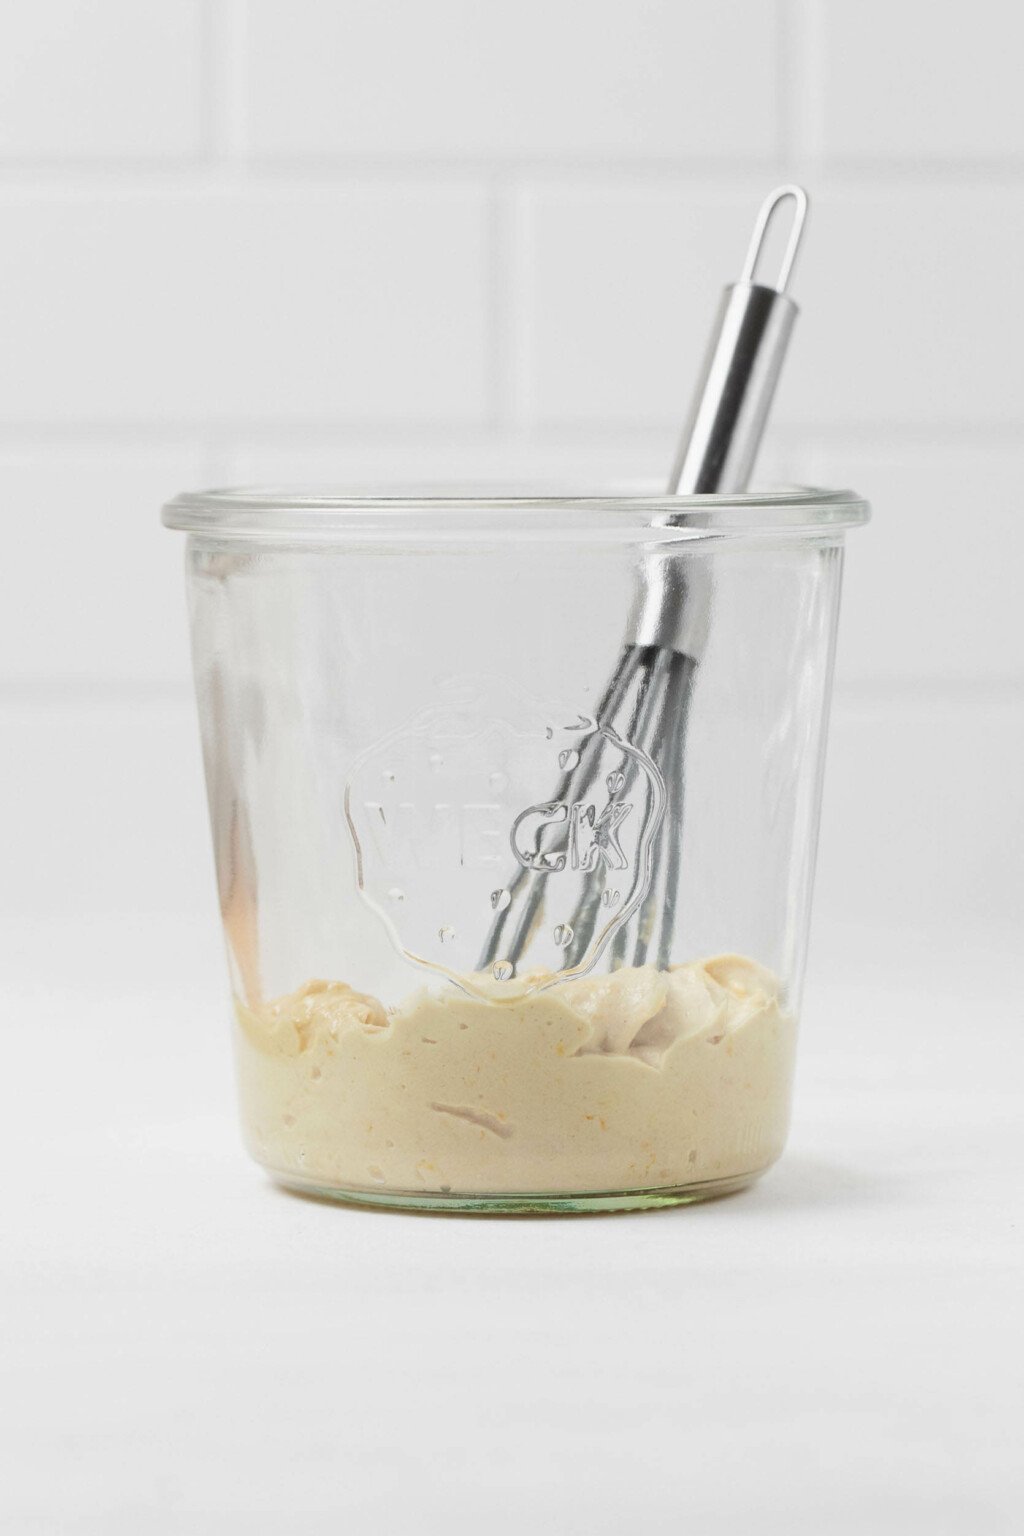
(344, 239)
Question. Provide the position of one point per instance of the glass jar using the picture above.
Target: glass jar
(514, 802)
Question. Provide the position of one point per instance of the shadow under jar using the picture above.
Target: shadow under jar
(515, 901)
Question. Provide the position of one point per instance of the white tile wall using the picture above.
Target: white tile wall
(620, 284)
(909, 294)
(145, 306)
(92, 590)
(85, 79)
(353, 239)
(912, 79)
(513, 78)
(931, 587)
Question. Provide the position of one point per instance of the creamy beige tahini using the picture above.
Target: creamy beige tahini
(636, 1080)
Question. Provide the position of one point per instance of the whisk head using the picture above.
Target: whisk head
(627, 915)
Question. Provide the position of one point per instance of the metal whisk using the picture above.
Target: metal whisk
(648, 698)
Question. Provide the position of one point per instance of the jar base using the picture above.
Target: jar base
(521, 1204)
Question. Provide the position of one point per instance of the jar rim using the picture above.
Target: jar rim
(395, 513)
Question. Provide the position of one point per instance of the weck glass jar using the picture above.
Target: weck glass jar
(514, 801)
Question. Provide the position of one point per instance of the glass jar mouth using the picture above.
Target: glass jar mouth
(443, 514)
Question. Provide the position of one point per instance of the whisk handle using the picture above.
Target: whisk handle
(719, 444)
(742, 365)
(735, 390)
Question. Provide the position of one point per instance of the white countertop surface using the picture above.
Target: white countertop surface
(188, 1349)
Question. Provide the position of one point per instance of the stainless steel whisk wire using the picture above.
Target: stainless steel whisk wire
(652, 684)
